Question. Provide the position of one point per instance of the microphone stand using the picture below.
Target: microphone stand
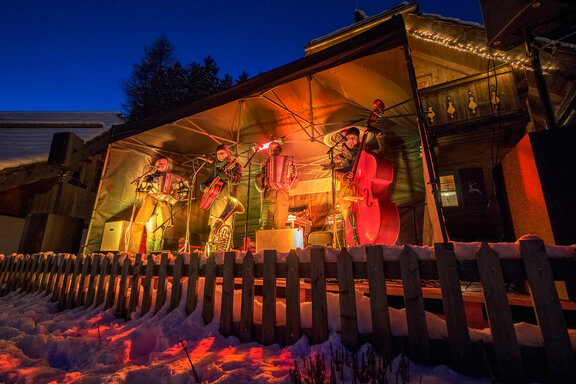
(249, 165)
(148, 171)
(186, 247)
(333, 179)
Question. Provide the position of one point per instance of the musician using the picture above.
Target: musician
(228, 170)
(156, 213)
(274, 194)
(343, 173)
(349, 151)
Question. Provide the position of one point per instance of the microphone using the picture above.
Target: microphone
(343, 138)
(205, 159)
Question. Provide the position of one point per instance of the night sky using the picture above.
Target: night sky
(72, 55)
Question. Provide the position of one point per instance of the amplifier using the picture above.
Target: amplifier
(281, 240)
(113, 238)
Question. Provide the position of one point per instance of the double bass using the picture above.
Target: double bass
(371, 217)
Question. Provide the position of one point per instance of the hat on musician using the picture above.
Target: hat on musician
(352, 131)
(223, 147)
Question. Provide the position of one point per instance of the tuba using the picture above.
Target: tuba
(221, 233)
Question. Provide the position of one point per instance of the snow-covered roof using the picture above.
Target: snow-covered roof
(25, 137)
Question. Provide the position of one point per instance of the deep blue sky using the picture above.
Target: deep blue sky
(72, 55)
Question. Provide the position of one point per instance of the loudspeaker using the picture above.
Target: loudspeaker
(114, 237)
(505, 21)
(45, 232)
(282, 240)
(537, 176)
(66, 150)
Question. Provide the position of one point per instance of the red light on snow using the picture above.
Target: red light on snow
(227, 352)
(255, 354)
(203, 347)
(8, 362)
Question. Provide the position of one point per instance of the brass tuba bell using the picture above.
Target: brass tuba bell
(221, 233)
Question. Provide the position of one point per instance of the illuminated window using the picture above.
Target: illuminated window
(448, 192)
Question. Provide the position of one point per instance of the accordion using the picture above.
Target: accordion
(279, 172)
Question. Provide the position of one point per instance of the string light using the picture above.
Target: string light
(479, 50)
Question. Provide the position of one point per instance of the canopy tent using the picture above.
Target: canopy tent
(304, 104)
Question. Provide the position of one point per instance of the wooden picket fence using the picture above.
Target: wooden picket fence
(78, 280)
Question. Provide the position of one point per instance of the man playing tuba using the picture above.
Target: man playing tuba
(219, 195)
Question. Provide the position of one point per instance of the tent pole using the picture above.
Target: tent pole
(249, 165)
(427, 152)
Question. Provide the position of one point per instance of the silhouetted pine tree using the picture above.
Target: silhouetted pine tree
(159, 82)
(146, 90)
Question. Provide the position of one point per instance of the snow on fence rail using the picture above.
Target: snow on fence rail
(133, 286)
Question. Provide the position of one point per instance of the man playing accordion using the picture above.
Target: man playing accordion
(277, 176)
(161, 190)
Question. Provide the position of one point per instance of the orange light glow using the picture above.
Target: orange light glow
(8, 362)
(203, 347)
(255, 354)
(227, 352)
(72, 377)
(266, 145)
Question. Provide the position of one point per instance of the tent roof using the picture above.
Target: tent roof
(380, 38)
(302, 102)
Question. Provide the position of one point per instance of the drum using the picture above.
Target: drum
(279, 172)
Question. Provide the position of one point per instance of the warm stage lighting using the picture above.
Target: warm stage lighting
(266, 145)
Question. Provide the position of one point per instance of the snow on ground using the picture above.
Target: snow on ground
(39, 344)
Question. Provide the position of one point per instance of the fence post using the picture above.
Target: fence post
(381, 330)
(110, 295)
(227, 302)
(8, 274)
(209, 288)
(33, 273)
(66, 282)
(557, 345)
(191, 292)
(347, 299)
(269, 298)
(59, 277)
(135, 287)
(161, 291)
(319, 301)
(81, 293)
(292, 298)
(72, 291)
(508, 359)
(25, 275)
(247, 307)
(415, 314)
(21, 272)
(104, 272)
(39, 274)
(458, 335)
(95, 269)
(3, 270)
(46, 273)
(121, 302)
(176, 293)
(147, 286)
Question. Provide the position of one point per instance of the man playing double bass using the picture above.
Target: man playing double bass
(364, 202)
(344, 174)
(223, 182)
